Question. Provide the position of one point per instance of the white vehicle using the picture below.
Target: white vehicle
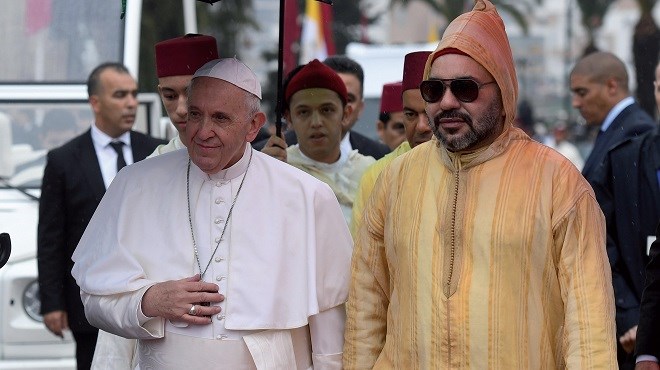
(381, 64)
(48, 54)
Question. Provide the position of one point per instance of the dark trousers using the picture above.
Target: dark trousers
(85, 344)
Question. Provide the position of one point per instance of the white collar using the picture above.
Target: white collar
(614, 112)
(322, 166)
(345, 144)
(101, 139)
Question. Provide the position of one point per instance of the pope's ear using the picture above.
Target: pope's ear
(257, 122)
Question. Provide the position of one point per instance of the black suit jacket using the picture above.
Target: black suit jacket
(363, 144)
(631, 122)
(628, 192)
(648, 340)
(71, 189)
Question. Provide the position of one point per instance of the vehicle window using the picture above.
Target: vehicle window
(61, 41)
(29, 130)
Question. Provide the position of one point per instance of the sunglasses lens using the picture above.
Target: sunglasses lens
(465, 90)
(432, 90)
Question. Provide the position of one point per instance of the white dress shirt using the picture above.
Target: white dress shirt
(614, 112)
(107, 156)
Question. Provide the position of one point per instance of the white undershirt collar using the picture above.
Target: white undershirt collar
(615, 111)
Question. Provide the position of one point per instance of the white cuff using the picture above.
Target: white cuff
(641, 358)
(153, 325)
(327, 362)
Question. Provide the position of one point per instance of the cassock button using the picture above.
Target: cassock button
(217, 220)
(221, 337)
(218, 259)
(219, 278)
(218, 200)
(217, 240)
(221, 317)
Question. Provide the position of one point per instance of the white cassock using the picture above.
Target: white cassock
(282, 265)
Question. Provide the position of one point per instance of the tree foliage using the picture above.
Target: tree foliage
(593, 13)
(225, 20)
(163, 20)
(646, 47)
(349, 21)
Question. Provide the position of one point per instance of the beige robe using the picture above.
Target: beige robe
(494, 260)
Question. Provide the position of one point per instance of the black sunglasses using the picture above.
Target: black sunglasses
(464, 89)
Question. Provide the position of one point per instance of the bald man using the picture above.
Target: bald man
(627, 189)
(599, 83)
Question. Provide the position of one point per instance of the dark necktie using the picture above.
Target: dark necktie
(117, 146)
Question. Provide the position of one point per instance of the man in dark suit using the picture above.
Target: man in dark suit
(622, 169)
(628, 189)
(599, 83)
(75, 179)
(628, 192)
(352, 74)
(648, 341)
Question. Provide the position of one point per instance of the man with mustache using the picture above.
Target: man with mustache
(416, 124)
(316, 104)
(390, 119)
(481, 248)
(75, 179)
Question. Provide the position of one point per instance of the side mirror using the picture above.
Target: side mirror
(5, 248)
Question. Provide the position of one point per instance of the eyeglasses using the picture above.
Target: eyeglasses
(464, 89)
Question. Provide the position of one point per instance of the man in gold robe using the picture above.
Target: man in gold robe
(416, 126)
(481, 248)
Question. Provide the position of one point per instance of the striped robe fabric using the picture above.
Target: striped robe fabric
(368, 181)
(494, 260)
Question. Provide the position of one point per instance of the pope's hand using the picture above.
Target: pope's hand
(275, 147)
(173, 300)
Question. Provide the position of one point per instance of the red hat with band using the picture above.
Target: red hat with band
(184, 55)
(316, 75)
(390, 100)
(413, 69)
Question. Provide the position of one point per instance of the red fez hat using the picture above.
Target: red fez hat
(316, 75)
(184, 55)
(390, 100)
(413, 69)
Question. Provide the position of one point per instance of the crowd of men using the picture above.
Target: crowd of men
(461, 243)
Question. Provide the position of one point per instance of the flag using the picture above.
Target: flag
(316, 40)
(291, 35)
(37, 15)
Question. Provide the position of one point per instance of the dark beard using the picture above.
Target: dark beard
(486, 125)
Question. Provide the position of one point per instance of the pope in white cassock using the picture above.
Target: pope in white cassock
(219, 256)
